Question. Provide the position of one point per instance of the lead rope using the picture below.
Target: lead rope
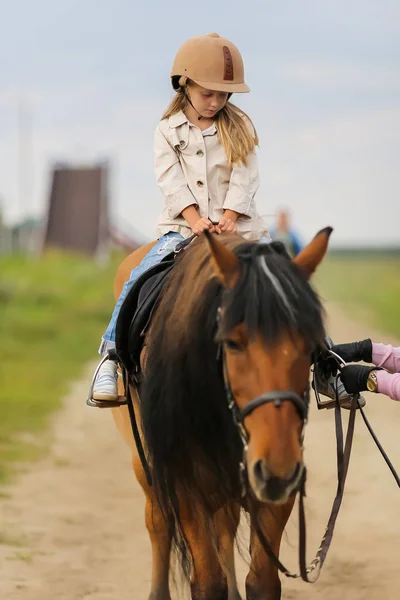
(341, 363)
(379, 445)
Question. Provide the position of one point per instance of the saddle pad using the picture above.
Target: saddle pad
(136, 311)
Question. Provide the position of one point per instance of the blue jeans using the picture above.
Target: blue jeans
(167, 243)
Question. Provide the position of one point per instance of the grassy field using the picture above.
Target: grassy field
(52, 314)
(53, 311)
(366, 285)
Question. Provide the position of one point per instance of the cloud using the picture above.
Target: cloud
(341, 172)
(322, 170)
(79, 126)
(328, 74)
(325, 99)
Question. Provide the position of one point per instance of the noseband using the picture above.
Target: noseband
(277, 397)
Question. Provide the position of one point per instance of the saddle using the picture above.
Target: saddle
(138, 308)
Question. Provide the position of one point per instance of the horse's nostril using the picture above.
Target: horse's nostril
(276, 488)
(296, 472)
(261, 471)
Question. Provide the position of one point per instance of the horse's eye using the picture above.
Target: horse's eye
(234, 346)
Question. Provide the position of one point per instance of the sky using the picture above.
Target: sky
(87, 80)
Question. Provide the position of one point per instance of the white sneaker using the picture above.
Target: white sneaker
(106, 386)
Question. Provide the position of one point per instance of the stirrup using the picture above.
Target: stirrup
(325, 352)
(90, 401)
(330, 402)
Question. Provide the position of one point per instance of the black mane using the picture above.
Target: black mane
(272, 296)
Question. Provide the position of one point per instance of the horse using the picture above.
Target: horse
(226, 372)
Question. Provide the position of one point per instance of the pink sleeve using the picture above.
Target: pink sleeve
(384, 355)
(389, 384)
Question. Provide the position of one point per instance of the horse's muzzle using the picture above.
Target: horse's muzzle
(267, 487)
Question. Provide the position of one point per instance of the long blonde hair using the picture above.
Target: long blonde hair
(235, 129)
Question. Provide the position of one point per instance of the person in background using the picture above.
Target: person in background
(283, 232)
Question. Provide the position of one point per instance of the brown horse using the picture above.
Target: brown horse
(246, 311)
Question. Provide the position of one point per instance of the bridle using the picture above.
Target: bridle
(301, 403)
(277, 397)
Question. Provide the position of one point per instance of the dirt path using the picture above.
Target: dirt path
(72, 527)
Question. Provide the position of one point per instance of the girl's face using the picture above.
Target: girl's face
(206, 102)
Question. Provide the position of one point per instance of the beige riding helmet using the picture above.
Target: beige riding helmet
(210, 61)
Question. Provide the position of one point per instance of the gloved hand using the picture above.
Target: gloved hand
(324, 362)
(355, 351)
(354, 377)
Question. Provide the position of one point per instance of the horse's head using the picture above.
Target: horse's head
(270, 323)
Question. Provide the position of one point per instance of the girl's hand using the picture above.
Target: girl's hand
(201, 225)
(226, 224)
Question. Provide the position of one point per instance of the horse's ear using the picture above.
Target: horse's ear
(310, 257)
(225, 262)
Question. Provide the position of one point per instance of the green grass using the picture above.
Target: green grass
(366, 285)
(54, 310)
(52, 314)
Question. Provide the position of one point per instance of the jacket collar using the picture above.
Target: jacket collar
(177, 119)
(180, 118)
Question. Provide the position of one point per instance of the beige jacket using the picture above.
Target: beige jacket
(193, 169)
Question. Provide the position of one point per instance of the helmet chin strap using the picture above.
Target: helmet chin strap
(191, 104)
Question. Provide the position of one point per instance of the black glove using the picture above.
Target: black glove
(355, 351)
(354, 378)
(324, 361)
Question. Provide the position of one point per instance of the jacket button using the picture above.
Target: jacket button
(200, 153)
(200, 184)
(182, 143)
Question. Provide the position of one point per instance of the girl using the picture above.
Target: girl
(205, 165)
